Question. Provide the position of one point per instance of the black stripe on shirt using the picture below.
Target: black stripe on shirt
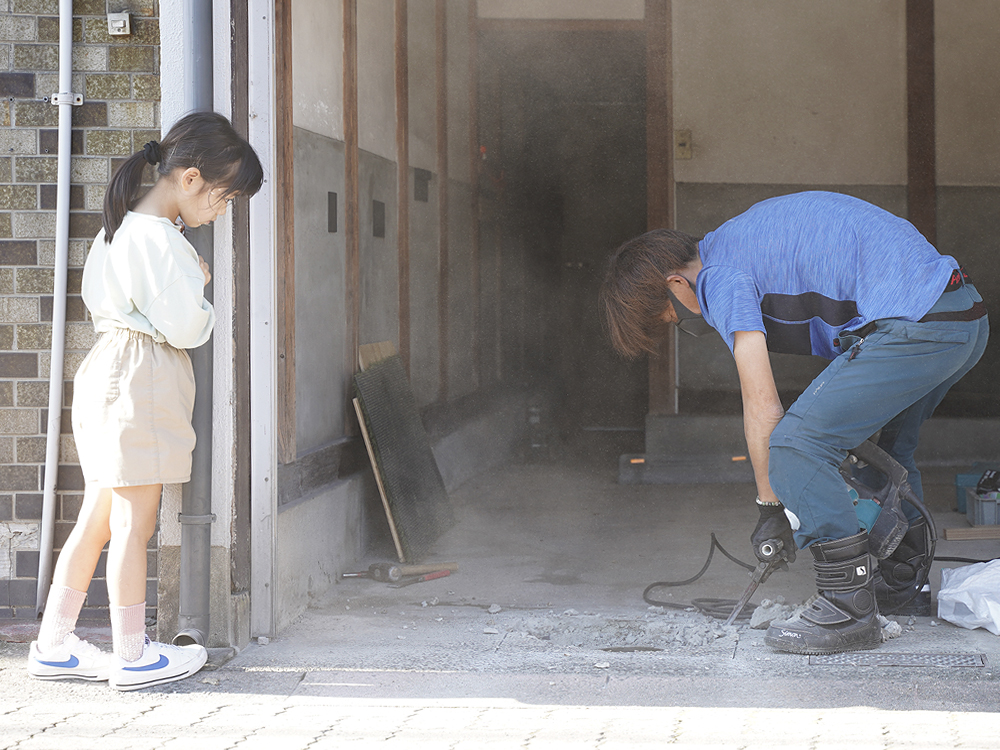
(787, 316)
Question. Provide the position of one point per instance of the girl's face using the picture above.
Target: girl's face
(199, 202)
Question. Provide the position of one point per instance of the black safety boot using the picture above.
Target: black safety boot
(844, 617)
(899, 575)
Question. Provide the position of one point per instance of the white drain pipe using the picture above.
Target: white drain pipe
(65, 100)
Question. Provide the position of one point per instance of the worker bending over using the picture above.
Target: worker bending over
(829, 275)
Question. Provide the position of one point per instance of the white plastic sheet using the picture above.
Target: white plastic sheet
(970, 596)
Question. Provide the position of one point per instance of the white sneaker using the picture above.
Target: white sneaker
(159, 663)
(74, 658)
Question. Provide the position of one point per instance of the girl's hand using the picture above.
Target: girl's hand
(204, 270)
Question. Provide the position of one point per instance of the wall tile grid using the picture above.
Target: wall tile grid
(118, 77)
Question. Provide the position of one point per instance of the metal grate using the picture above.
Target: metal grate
(858, 659)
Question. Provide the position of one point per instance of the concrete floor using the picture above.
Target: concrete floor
(545, 616)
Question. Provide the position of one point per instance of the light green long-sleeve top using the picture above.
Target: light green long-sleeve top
(148, 279)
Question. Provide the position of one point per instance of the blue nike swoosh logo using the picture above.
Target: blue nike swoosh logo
(159, 664)
(71, 662)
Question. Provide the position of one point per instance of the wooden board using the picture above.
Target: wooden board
(413, 488)
(378, 481)
(369, 354)
(972, 533)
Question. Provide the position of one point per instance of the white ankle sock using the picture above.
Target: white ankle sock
(128, 630)
(62, 609)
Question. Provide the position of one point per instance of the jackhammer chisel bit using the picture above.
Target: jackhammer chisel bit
(773, 558)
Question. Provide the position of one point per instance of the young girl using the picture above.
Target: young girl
(134, 393)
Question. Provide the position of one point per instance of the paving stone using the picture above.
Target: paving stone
(35, 114)
(109, 142)
(18, 142)
(35, 7)
(18, 28)
(108, 86)
(34, 224)
(48, 29)
(48, 141)
(36, 168)
(18, 365)
(36, 57)
(7, 281)
(18, 85)
(90, 59)
(34, 280)
(146, 87)
(90, 115)
(90, 169)
(131, 114)
(47, 84)
(19, 197)
(18, 253)
(48, 198)
(131, 59)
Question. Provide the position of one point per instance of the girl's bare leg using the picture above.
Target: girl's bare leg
(75, 568)
(82, 550)
(133, 521)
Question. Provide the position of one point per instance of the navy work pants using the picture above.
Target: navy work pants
(891, 380)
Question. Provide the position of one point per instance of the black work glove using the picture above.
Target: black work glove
(773, 524)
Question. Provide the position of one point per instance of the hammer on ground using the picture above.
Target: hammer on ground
(392, 572)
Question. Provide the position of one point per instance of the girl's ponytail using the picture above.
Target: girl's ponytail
(123, 190)
(204, 140)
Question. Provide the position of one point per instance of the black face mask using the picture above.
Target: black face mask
(690, 322)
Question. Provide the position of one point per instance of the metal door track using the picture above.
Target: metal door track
(860, 659)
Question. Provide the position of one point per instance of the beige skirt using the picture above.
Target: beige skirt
(132, 406)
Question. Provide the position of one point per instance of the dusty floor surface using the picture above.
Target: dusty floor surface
(542, 639)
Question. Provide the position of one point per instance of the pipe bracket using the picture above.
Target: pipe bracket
(67, 98)
(190, 519)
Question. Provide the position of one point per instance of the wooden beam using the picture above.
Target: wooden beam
(441, 81)
(352, 220)
(403, 178)
(558, 24)
(285, 230)
(972, 533)
(240, 550)
(475, 162)
(921, 162)
(660, 181)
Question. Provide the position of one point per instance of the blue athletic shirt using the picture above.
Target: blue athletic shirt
(804, 267)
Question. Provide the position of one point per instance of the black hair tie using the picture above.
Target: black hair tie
(151, 153)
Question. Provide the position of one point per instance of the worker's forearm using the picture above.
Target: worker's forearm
(758, 428)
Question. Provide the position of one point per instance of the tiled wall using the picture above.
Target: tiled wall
(118, 77)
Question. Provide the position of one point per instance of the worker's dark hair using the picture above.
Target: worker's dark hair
(634, 293)
(205, 140)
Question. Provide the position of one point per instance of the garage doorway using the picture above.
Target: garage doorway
(563, 125)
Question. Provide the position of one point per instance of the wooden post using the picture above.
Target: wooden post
(352, 220)
(660, 182)
(921, 195)
(441, 78)
(285, 190)
(403, 178)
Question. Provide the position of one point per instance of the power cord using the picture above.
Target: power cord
(718, 608)
(721, 608)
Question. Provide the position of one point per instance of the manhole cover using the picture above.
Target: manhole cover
(858, 659)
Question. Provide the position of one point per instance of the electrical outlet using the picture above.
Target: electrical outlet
(119, 24)
(682, 144)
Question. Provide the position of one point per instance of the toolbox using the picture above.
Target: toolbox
(981, 509)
